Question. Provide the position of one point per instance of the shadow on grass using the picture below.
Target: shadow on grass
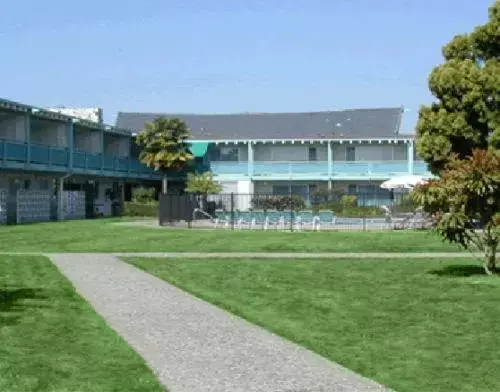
(13, 303)
(459, 271)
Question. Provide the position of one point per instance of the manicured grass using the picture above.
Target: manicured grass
(413, 325)
(108, 236)
(52, 341)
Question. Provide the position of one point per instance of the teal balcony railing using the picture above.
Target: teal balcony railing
(14, 154)
(318, 168)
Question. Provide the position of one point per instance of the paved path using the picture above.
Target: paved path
(196, 347)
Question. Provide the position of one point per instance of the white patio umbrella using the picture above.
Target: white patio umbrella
(403, 182)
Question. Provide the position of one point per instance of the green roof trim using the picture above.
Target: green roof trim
(199, 149)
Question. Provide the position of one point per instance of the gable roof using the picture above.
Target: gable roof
(355, 123)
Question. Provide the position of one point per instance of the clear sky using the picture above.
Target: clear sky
(222, 56)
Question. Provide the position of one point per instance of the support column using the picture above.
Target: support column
(122, 197)
(71, 144)
(250, 159)
(102, 147)
(330, 160)
(330, 184)
(27, 135)
(60, 200)
(410, 153)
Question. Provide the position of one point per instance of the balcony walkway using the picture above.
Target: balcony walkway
(310, 170)
(24, 156)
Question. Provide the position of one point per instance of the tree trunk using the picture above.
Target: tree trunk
(164, 185)
(490, 259)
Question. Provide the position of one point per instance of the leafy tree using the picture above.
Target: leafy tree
(466, 112)
(459, 137)
(465, 203)
(165, 147)
(202, 184)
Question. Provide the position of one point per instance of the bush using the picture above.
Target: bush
(143, 195)
(277, 202)
(349, 201)
(323, 196)
(141, 209)
(406, 204)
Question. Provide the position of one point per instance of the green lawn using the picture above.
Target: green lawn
(52, 341)
(107, 236)
(413, 325)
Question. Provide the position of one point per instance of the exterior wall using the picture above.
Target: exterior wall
(370, 152)
(267, 187)
(50, 133)
(33, 206)
(102, 203)
(87, 140)
(27, 181)
(289, 152)
(13, 128)
(73, 205)
(118, 146)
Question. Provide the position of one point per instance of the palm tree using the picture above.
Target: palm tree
(165, 147)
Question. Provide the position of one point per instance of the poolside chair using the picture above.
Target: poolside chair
(307, 218)
(395, 223)
(221, 218)
(258, 219)
(326, 218)
(273, 218)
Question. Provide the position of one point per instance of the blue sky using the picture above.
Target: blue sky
(227, 55)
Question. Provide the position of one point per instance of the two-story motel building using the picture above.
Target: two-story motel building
(350, 150)
(58, 166)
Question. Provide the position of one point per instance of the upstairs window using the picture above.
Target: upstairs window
(224, 153)
(313, 154)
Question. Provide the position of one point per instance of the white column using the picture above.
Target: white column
(330, 159)
(250, 159)
(410, 147)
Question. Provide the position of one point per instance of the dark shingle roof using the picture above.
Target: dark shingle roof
(356, 123)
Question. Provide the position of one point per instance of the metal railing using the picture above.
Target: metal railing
(17, 152)
(321, 168)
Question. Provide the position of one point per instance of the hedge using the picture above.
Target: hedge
(141, 209)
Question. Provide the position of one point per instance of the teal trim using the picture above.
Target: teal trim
(199, 149)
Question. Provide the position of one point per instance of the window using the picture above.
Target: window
(281, 189)
(224, 154)
(313, 154)
(350, 153)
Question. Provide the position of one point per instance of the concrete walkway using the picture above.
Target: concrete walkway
(196, 347)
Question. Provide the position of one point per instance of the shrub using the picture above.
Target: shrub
(143, 195)
(323, 196)
(349, 201)
(141, 209)
(278, 202)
